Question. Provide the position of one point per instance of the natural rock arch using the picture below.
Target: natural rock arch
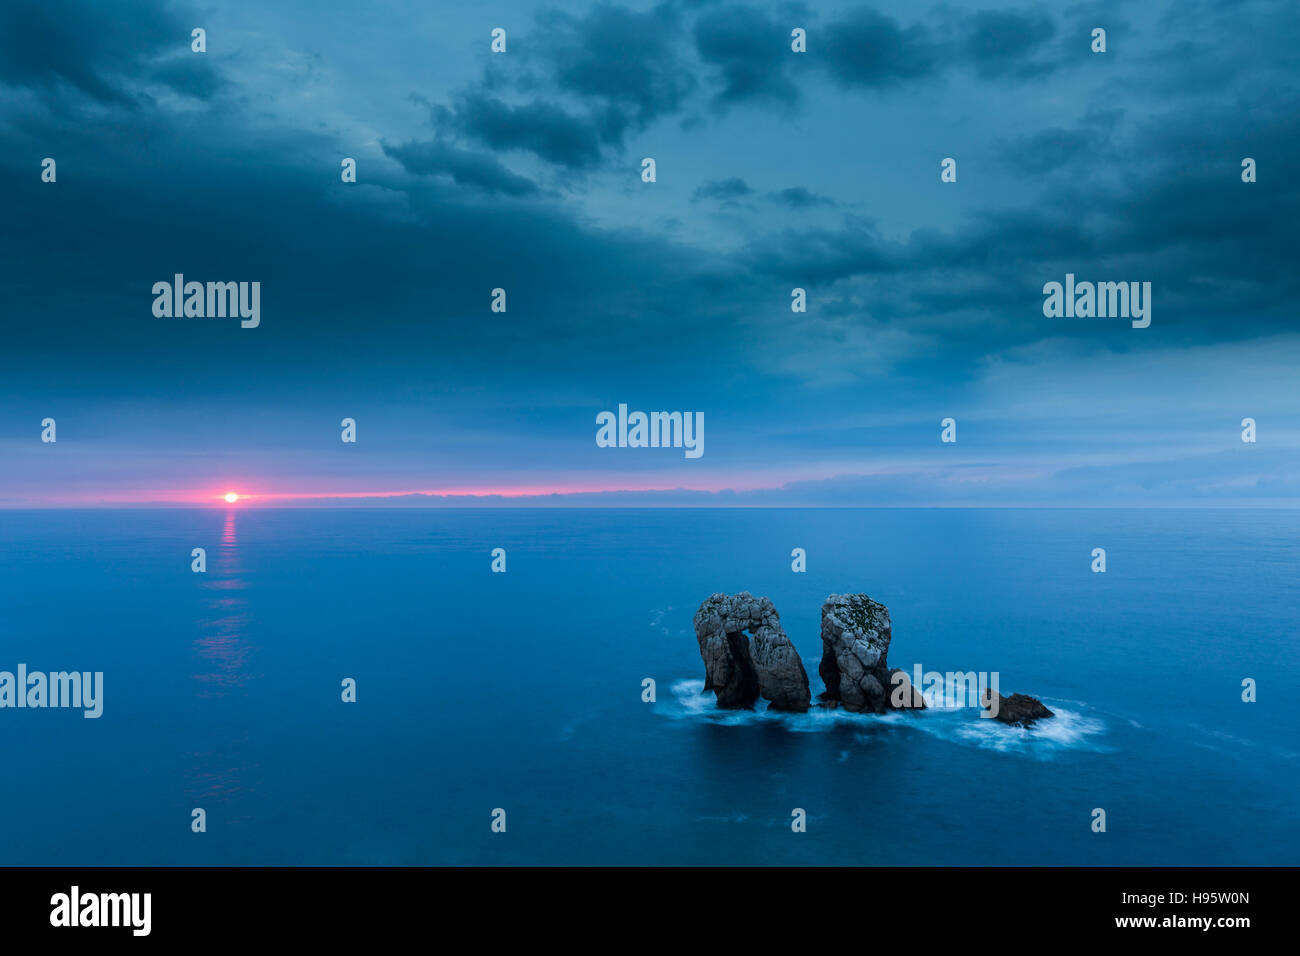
(747, 654)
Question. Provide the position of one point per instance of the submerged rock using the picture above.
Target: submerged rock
(902, 694)
(855, 648)
(738, 671)
(1019, 710)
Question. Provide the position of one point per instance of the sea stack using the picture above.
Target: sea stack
(855, 647)
(747, 654)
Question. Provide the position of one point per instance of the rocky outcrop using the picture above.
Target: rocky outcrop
(1019, 710)
(855, 649)
(747, 654)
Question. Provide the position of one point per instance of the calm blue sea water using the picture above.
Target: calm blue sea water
(523, 690)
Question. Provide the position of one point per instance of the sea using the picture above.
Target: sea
(508, 718)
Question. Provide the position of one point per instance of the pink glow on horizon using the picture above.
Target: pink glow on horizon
(254, 491)
(217, 498)
(507, 491)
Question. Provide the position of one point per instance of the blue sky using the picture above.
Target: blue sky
(774, 170)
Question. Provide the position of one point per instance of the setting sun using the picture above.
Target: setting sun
(231, 497)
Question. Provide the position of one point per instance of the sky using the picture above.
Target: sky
(775, 170)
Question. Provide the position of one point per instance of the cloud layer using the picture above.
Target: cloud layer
(776, 169)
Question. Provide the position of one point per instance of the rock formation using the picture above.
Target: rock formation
(1019, 710)
(738, 670)
(855, 648)
(747, 655)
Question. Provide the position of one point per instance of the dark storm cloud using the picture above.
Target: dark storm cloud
(1008, 43)
(1211, 245)
(824, 255)
(800, 197)
(750, 52)
(1152, 193)
(1179, 202)
(1182, 207)
(354, 296)
(107, 53)
(724, 189)
(588, 81)
(183, 76)
(464, 167)
(608, 73)
(1077, 149)
(538, 127)
(628, 59)
(866, 48)
(869, 49)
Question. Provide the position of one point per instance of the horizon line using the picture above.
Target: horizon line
(479, 504)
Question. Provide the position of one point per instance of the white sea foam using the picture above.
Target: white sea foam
(689, 702)
(1068, 730)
